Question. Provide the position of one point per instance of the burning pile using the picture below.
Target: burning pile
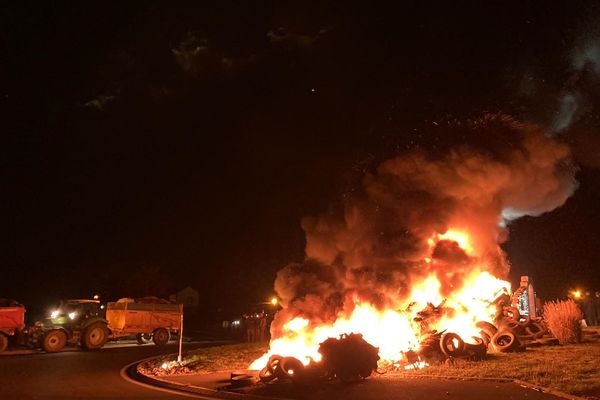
(411, 259)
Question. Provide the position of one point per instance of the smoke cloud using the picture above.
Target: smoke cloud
(374, 244)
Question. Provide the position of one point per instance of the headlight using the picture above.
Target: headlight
(54, 314)
(72, 315)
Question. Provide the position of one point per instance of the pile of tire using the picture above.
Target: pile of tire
(282, 369)
(348, 358)
(437, 347)
(511, 335)
(290, 369)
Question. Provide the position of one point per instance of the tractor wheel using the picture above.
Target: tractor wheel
(94, 336)
(54, 341)
(3, 342)
(161, 336)
(143, 338)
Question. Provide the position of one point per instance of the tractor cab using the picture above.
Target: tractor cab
(72, 312)
(73, 322)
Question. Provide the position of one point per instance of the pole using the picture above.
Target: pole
(179, 359)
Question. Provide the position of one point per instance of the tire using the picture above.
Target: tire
(242, 381)
(143, 338)
(536, 330)
(509, 324)
(273, 362)
(548, 341)
(452, 345)
(265, 375)
(489, 328)
(94, 336)
(54, 341)
(3, 342)
(161, 336)
(291, 368)
(476, 350)
(485, 337)
(504, 341)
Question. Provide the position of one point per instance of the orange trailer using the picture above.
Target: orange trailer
(148, 321)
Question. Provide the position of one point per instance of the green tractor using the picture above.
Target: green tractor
(73, 322)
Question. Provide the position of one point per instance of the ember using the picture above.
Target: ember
(412, 261)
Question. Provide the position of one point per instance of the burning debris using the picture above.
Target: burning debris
(348, 358)
(411, 259)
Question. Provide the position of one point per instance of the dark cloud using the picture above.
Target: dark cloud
(282, 36)
(199, 59)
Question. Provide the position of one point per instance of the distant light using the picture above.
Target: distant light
(102, 307)
(54, 314)
(96, 297)
(72, 315)
(164, 365)
(274, 301)
(576, 294)
(313, 90)
(236, 322)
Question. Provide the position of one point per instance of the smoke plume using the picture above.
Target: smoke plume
(377, 241)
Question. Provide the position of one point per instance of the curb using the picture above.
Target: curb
(130, 371)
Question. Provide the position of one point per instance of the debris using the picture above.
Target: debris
(348, 358)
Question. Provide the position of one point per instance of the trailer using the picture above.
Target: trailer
(148, 321)
(12, 321)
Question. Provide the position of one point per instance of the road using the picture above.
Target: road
(80, 374)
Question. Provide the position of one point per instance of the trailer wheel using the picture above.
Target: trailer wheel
(3, 342)
(94, 336)
(54, 341)
(161, 337)
(143, 338)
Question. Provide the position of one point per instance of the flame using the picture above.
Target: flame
(394, 330)
(461, 238)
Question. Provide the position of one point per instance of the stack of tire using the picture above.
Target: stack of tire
(511, 335)
(442, 346)
(453, 346)
(284, 369)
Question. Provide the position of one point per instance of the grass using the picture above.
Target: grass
(225, 358)
(206, 360)
(573, 368)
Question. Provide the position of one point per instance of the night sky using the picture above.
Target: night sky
(148, 146)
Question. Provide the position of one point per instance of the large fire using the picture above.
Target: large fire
(413, 248)
(395, 330)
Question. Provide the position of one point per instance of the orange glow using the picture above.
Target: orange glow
(461, 238)
(393, 329)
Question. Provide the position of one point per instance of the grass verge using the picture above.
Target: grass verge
(206, 360)
(573, 368)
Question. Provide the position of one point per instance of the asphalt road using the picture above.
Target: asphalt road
(80, 374)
